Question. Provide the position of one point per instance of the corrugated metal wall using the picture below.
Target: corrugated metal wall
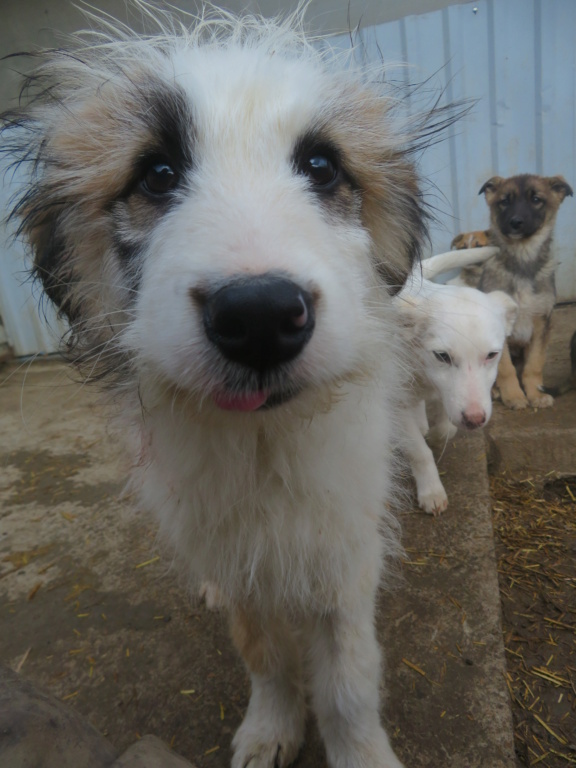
(516, 57)
(29, 330)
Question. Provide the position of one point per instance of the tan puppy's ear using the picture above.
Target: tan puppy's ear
(490, 188)
(509, 306)
(560, 187)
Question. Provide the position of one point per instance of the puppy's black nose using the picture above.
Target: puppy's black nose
(259, 321)
(516, 222)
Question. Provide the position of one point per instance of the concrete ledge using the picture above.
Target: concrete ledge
(534, 441)
(448, 702)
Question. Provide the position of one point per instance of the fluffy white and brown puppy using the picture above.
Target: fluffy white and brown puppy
(222, 215)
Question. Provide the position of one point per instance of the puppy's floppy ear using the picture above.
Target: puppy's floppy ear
(385, 179)
(50, 263)
(42, 212)
(414, 319)
(560, 187)
(393, 212)
(509, 306)
(490, 187)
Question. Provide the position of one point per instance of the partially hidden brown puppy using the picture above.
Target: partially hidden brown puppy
(476, 239)
(522, 216)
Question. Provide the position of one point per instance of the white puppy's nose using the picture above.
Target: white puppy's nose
(474, 418)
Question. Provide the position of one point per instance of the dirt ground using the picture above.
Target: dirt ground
(535, 526)
(533, 489)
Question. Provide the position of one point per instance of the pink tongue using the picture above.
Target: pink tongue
(248, 402)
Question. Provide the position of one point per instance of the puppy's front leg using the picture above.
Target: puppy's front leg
(442, 429)
(534, 365)
(508, 384)
(344, 660)
(430, 491)
(272, 731)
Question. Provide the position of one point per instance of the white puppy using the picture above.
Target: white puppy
(457, 335)
(222, 215)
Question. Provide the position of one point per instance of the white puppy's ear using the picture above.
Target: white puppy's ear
(509, 306)
(412, 314)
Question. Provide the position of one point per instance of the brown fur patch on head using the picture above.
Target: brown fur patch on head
(86, 138)
(88, 126)
(392, 208)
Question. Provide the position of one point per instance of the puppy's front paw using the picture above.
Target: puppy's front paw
(515, 403)
(272, 731)
(433, 501)
(211, 595)
(257, 745)
(440, 434)
(541, 400)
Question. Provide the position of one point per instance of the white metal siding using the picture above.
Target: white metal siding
(30, 330)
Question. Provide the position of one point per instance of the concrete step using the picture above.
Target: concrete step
(534, 441)
(448, 701)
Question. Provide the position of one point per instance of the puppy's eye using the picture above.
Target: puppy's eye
(491, 355)
(443, 357)
(537, 200)
(159, 178)
(504, 203)
(321, 169)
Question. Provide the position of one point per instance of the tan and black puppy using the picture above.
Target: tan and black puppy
(522, 215)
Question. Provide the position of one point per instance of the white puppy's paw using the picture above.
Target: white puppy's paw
(441, 433)
(433, 500)
(261, 745)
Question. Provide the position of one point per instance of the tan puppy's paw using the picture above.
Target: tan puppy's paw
(541, 400)
(515, 403)
(475, 239)
(512, 395)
